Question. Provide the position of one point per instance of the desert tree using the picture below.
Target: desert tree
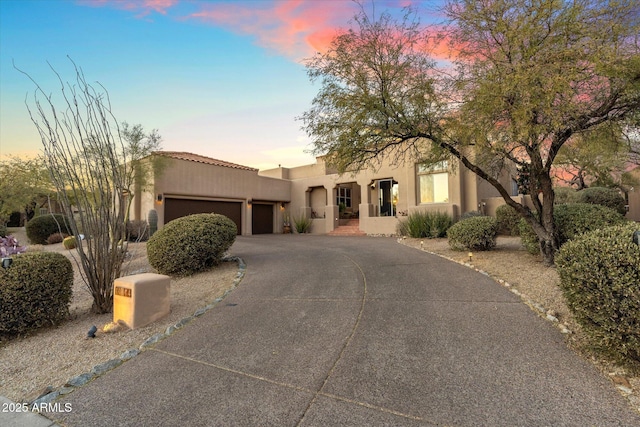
(598, 158)
(87, 159)
(140, 150)
(527, 77)
(22, 182)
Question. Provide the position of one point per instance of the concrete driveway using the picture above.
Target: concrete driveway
(331, 331)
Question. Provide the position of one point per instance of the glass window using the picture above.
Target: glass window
(433, 183)
(344, 196)
(514, 187)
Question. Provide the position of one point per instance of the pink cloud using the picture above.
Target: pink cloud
(141, 7)
(294, 28)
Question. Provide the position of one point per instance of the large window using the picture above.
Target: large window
(433, 182)
(344, 196)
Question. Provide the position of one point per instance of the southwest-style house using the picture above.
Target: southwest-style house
(259, 201)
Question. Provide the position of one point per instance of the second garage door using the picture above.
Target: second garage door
(262, 218)
(176, 208)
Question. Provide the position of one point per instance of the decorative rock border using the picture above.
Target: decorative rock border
(102, 368)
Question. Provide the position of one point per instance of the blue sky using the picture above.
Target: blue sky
(223, 79)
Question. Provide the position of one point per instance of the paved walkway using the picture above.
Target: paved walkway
(332, 331)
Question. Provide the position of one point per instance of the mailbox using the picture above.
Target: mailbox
(141, 299)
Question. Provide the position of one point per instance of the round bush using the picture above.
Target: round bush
(508, 219)
(41, 227)
(565, 195)
(477, 233)
(600, 278)
(56, 238)
(190, 244)
(70, 242)
(603, 196)
(571, 221)
(36, 291)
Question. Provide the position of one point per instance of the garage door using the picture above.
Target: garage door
(262, 219)
(176, 208)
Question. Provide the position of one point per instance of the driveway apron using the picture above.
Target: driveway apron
(327, 331)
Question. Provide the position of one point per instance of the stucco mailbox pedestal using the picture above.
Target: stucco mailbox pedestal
(141, 299)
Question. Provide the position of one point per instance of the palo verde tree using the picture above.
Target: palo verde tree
(528, 76)
(140, 149)
(87, 158)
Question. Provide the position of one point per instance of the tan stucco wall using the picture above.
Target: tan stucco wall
(189, 179)
(312, 188)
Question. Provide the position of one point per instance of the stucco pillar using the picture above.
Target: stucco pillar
(365, 208)
(332, 211)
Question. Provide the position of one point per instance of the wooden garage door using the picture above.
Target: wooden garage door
(262, 219)
(176, 208)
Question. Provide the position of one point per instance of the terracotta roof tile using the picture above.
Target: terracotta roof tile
(182, 155)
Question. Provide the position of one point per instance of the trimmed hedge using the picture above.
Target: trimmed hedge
(476, 233)
(421, 224)
(603, 196)
(600, 278)
(190, 244)
(571, 221)
(41, 227)
(35, 292)
(508, 219)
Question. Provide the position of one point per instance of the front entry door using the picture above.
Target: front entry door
(387, 197)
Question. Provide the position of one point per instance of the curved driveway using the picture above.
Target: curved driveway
(331, 331)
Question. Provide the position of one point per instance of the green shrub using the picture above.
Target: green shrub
(137, 231)
(41, 227)
(571, 221)
(578, 218)
(421, 224)
(302, 224)
(70, 242)
(508, 219)
(600, 278)
(191, 244)
(603, 196)
(564, 195)
(528, 238)
(3, 229)
(36, 291)
(56, 238)
(477, 233)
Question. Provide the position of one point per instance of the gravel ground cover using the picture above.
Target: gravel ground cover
(46, 359)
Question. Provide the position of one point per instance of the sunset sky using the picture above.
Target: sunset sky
(224, 79)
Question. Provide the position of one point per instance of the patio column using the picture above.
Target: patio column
(366, 207)
(332, 212)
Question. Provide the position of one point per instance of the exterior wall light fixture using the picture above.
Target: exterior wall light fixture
(636, 237)
(6, 262)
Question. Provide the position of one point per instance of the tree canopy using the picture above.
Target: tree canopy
(527, 76)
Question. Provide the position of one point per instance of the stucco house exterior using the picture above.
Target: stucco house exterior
(259, 201)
